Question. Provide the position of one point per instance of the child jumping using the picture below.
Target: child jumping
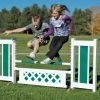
(60, 29)
(38, 28)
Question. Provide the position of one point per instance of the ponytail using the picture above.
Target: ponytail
(63, 7)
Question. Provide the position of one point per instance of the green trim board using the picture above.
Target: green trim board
(6, 59)
(39, 62)
(83, 64)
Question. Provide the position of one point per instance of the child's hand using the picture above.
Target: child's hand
(7, 32)
(41, 37)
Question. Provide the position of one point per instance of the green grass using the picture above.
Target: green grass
(10, 91)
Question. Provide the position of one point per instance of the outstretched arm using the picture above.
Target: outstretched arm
(7, 32)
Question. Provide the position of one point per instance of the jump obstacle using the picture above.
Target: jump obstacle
(81, 73)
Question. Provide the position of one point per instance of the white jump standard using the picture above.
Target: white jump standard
(79, 74)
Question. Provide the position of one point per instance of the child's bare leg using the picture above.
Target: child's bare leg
(29, 44)
(36, 46)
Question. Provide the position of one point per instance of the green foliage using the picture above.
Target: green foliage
(45, 13)
(25, 17)
(4, 19)
(15, 18)
(81, 20)
(35, 9)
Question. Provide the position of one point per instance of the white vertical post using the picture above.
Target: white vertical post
(13, 62)
(88, 65)
(94, 66)
(78, 67)
(72, 62)
(78, 43)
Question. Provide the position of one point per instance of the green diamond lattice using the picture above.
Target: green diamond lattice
(29, 74)
(26, 78)
(46, 80)
(39, 79)
(32, 78)
(42, 75)
(50, 76)
(57, 77)
(36, 75)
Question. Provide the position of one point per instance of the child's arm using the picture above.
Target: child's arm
(50, 31)
(71, 24)
(7, 32)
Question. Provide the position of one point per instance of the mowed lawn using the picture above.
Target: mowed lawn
(10, 91)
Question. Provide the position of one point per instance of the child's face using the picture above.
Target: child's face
(55, 15)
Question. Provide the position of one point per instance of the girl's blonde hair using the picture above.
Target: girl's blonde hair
(58, 8)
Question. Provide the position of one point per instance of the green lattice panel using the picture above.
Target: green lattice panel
(46, 77)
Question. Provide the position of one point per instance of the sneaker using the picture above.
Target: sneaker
(47, 61)
(31, 56)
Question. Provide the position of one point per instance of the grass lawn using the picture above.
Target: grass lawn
(10, 91)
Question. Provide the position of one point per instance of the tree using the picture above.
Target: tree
(45, 13)
(77, 21)
(14, 17)
(97, 24)
(0, 22)
(81, 21)
(4, 19)
(25, 17)
(35, 10)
